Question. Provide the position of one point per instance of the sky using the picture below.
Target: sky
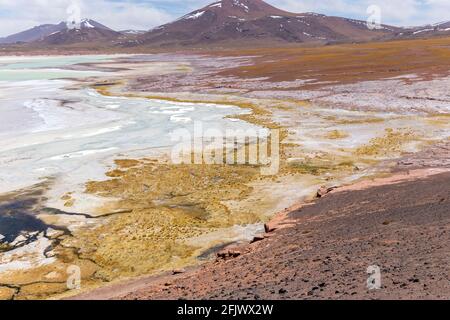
(18, 15)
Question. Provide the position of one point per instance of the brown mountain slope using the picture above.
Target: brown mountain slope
(255, 20)
(34, 33)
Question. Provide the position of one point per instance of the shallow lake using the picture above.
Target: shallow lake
(48, 131)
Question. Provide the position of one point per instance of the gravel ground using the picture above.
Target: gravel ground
(403, 227)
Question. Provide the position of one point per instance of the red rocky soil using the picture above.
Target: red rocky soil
(403, 228)
(401, 224)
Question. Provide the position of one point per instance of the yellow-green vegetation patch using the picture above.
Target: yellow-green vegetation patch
(351, 121)
(47, 280)
(184, 69)
(391, 143)
(442, 120)
(4, 247)
(7, 293)
(127, 163)
(319, 166)
(168, 205)
(104, 87)
(69, 201)
(336, 135)
(38, 291)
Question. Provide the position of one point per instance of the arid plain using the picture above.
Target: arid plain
(345, 114)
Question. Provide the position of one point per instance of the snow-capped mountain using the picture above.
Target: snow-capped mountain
(87, 30)
(437, 29)
(255, 20)
(228, 22)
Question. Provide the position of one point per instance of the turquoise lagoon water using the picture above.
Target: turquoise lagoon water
(45, 68)
(73, 135)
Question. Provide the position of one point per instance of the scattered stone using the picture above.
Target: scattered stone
(323, 191)
(414, 280)
(20, 239)
(257, 239)
(178, 271)
(53, 234)
(268, 228)
(228, 254)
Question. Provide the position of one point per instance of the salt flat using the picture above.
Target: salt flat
(48, 131)
(85, 143)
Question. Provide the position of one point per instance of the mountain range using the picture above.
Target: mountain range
(34, 34)
(89, 30)
(57, 34)
(442, 28)
(227, 21)
(255, 20)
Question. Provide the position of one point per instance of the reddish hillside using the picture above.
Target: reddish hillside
(255, 20)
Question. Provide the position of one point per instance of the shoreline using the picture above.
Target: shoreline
(400, 174)
(280, 221)
(320, 165)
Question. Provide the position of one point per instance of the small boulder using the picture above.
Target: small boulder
(323, 191)
(268, 228)
(257, 239)
(178, 271)
(228, 254)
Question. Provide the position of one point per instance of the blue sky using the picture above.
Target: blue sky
(17, 15)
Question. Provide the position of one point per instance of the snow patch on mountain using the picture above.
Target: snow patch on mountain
(242, 5)
(217, 4)
(194, 15)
